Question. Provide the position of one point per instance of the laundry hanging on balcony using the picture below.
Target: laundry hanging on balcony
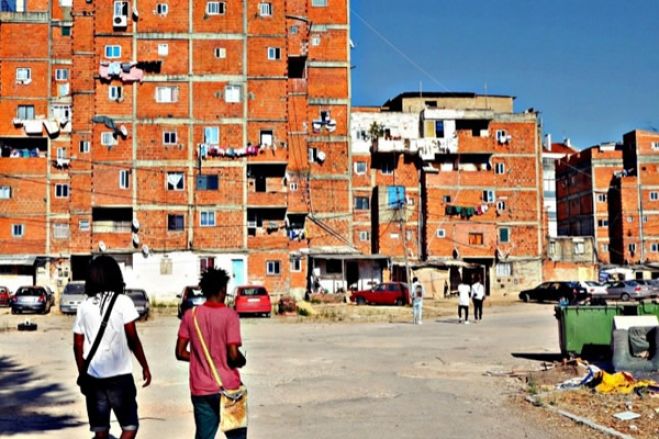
(465, 212)
(127, 72)
(110, 123)
(325, 122)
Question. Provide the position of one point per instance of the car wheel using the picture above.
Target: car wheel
(13, 311)
(525, 297)
(360, 301)
(399, 302)
(268, 315)
(624, 297)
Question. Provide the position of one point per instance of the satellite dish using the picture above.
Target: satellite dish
(145, 250)
(136, 225)
(101, 246)
(136, 240)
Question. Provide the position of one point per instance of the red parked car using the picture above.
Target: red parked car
(5, 295)
(386, 293)
(251, 299)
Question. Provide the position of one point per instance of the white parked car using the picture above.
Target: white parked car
(593, 288)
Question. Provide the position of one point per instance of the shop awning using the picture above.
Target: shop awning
(17, 260)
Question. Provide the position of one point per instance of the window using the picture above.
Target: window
(632, 247)
(394, 236)
(654, 196)
(112, 51)
(175, 223)
(602, 223)
(207, 218)
(266, 137)
(364, 236)
(60, 231)
(500, 168)
(163, 49)
(212, 135)
(630, 219)
(655, 146)
(645, 218)
(61, 190)
(475, 239)
(501, 206)
(166, 94)
(293, 187)
(115, 92)
(60, 153)
(579, 248)
(504, 235)
(107, 138)
(25, 112)
(315, 40)
(360, 168)
(446, 198)
(175, 181)
(502, 136)
(601, 198)
(440, 233)
(395, 196)
(232, 93)
(220, 52)
(361, 203)
(605, 247)
(17, 230)
(84, 146)
(120, 9)
(215, 8)
(654, 247)
(23, 75)
(5, 192)
(272, 268)
(489, 196)
(206, 263)
(294, 29)
(63, 89)
(61, 112)
(162, 8)
(319, 3)
(504, 269)
(61, 74)
(66, 3)
(84, 226)
(296, 264)
(124, 179)
(265, 9)
(208, 182)
(311, 154)
(387, 167)
(65, 31)
(409, 235)
(274, 53)
(169, 137)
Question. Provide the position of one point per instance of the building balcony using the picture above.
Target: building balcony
(298, 86)
(111, 227)
(428, 148)
(384, 145)
(268, 239)
(267, 199)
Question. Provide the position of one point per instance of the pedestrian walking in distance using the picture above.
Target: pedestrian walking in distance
(220, 329)
(417, 301)
(478, 297)
(464, 292)
(105, 365)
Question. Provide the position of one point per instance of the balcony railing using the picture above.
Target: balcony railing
(111, 227)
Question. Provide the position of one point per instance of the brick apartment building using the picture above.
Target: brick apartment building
(174, 135)
(456, 179)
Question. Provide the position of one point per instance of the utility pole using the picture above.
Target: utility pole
(401, 222)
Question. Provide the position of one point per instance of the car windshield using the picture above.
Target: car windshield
(593, 284)
(136, 294)
(74, 288)
(195, 292)
(253, 292)
(29, 292)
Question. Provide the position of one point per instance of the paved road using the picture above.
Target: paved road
(306, 380)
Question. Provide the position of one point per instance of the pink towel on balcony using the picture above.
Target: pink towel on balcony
(133, 75)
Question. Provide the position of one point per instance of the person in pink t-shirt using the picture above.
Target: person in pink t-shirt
(220, 327)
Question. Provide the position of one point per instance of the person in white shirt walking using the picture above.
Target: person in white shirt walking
(464, 291)
(417, 301)
(478, 297)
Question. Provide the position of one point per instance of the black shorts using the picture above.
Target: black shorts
(117, 394)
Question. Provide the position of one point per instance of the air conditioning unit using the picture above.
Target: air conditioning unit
(120, 21)
(251, 224)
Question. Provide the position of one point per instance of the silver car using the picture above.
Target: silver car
(72, 296)
(34, 299)
(628, 289)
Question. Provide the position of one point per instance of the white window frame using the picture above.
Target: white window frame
(23, 75)
(501, 205)
(17, 230)
(632, 247)
(319, 3)
(63, 89)
(273, 268)
(364, 236)
(66, 3)
(162, 9)
(61, 231)
(84, 146)
(357, 167)
(207, 218)
(605, 247)
(362, 197)
(293, 186)
(112, 51)
(215, 8)
(579, 248)
(5, 192)
(220, 52)
(654, 247)
(84, 225)
(315, 40)
(654, 146)
(296, 264)
(163, 49)
(170, 137)
(62, 190)
(440, 233)
(107, 138)
(601, 198)
(312, 154)
(503, 269)
(61, 74)
(179, 186)
(60, 153)
(61, 112)
(500, 168)
(499, 233)
(124, 179)
(274, 53)
(212, 135)
(265, 9)
(489, 196)
(115, 93)
(654, 196)
(233, 94)
(25, 110)
(167, 94)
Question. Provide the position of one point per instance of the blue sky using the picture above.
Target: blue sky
(590, 66)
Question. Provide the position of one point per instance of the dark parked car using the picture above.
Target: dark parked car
(386, 293)
(72, 296)
(5, 295)
(141, 301)
(555, 291)
(251, 299)
(35, 299)
(190, 297)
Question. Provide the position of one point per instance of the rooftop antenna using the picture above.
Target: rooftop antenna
(420, 89)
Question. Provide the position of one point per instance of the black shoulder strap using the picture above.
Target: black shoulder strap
(101, 330)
